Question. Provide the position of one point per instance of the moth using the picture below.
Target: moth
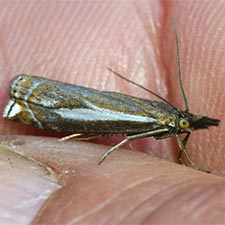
(63, 107)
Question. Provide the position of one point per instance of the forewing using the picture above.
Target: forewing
(71, 108)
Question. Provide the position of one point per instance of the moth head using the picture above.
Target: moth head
(189, 122)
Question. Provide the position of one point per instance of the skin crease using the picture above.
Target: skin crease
(130, 187)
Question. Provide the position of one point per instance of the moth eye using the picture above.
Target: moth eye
(184, 124)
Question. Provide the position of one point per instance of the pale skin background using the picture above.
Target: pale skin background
(74, 41)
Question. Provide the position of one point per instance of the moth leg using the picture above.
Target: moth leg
(69, 137)
(130, 138)
(184, 141)
(183, 150)
(78, 138)
(91, 137)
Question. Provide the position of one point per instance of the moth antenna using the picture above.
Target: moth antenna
(179, 66)
(138, 85)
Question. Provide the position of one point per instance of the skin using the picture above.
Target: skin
(75, 42)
